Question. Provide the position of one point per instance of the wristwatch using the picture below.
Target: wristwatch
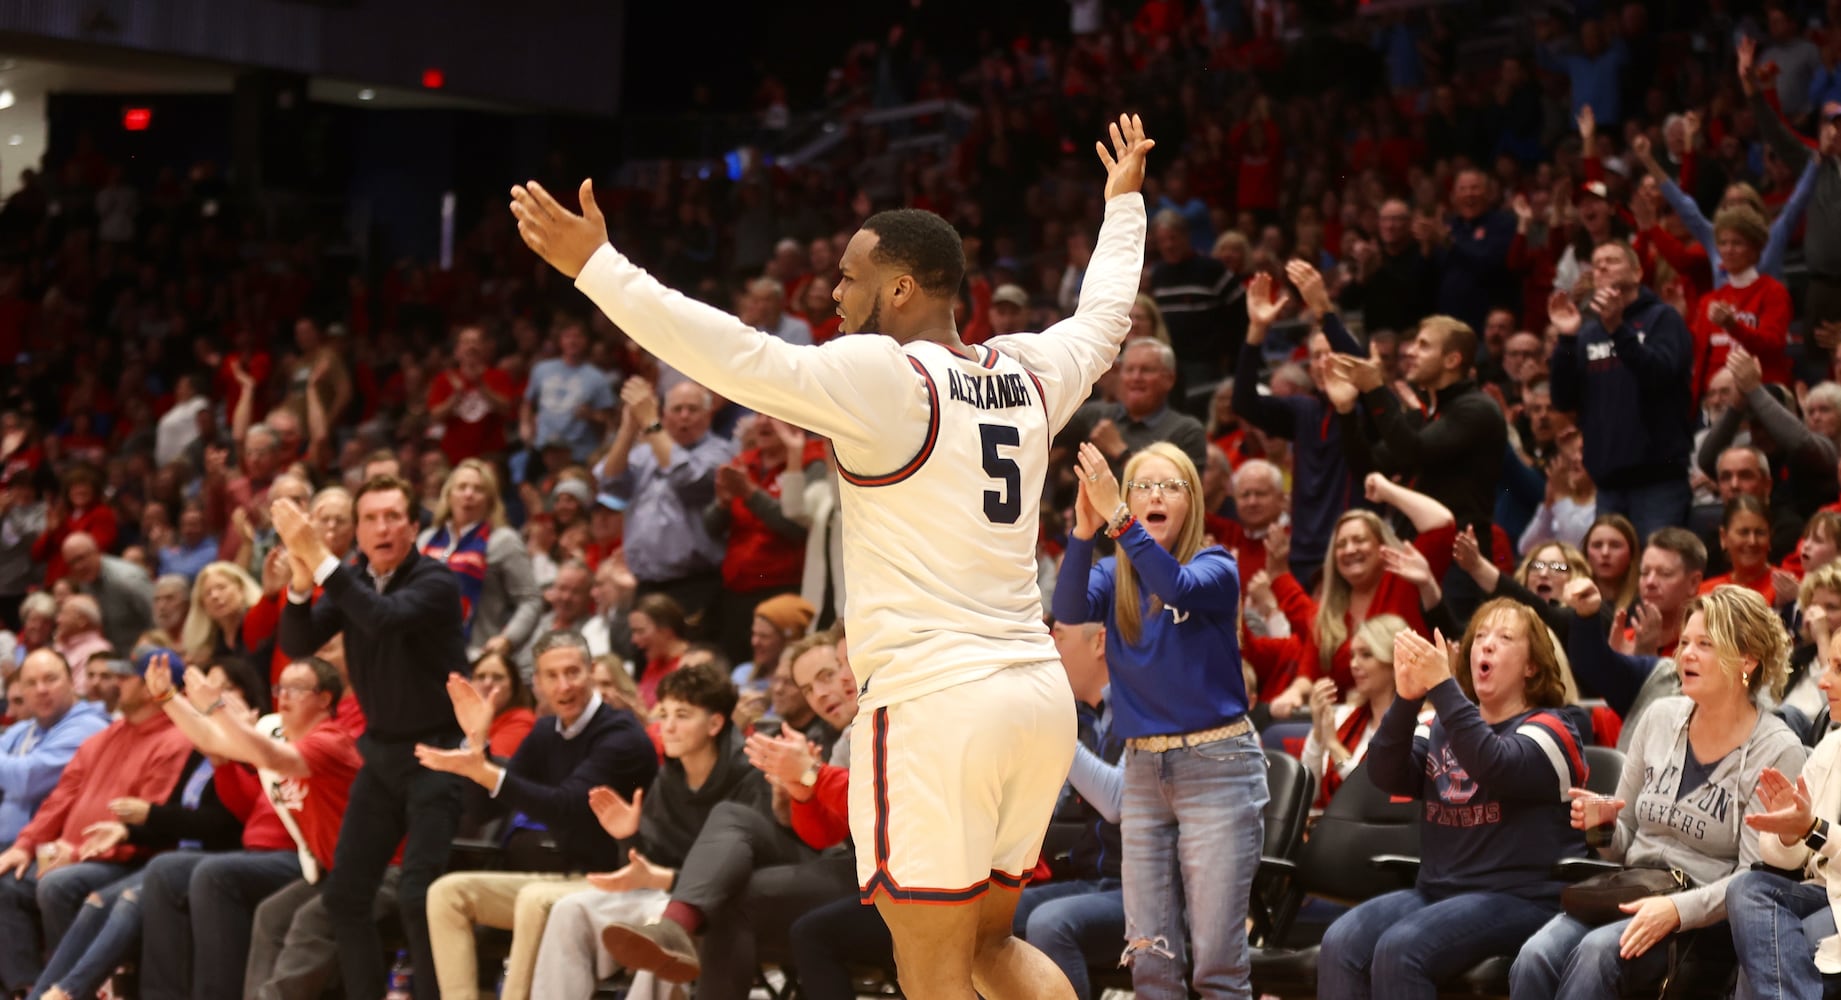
(810, 777)
(1817, 837)
(653, 428)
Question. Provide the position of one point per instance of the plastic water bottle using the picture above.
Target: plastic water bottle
(402, 978)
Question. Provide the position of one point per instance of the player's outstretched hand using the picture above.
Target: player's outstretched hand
(560, 236)
(1125, 161)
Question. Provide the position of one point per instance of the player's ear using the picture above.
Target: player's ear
(903, 290)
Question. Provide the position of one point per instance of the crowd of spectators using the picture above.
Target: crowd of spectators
(1566, 323)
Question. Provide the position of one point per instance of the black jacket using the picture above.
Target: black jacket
(1452, 448)
(400, 645)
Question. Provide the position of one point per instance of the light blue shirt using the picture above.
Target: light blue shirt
(665, 536)
(558, 389)
(188, 562)
(32, 759)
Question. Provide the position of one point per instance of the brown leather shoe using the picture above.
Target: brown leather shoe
(662, 948)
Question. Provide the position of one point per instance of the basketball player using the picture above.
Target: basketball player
(967, 721)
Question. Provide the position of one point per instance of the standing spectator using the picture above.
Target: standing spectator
(1394, 281)
(1751, 310)
(1143, 414)
(79, 509)
(1822, 235)
(1796, 58)
(1626, 372)
(1193, 771)
(44, 736)
(567, 399)
(1570, 508)
(178, 426)
(192, 549)
(470, 402)
(22, 521)
(1197, 297)
(1321, 484)
(490, 562)
(657, 624)
(403, 638)
(123, 591)
(1473, 265)
(1594, 70)
(765, 554)
(1492, 772)
(664, 466)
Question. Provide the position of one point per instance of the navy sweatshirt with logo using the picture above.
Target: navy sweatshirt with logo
(1632, 390)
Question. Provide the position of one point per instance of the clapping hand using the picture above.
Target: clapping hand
(101, 838)
(1747, 373)
(1420, 666)
(639, 873)
(471, 710)
(1100, 484)
(1309, 284)
(1564, 314)
(618, 817)
(1788, 811)
(1265, 302)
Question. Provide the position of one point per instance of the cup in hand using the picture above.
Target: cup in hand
(48, 852)
(1600, 819)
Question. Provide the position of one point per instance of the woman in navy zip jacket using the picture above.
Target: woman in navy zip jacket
(1195, 777)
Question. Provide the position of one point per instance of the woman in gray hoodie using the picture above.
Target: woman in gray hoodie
(1686, 788)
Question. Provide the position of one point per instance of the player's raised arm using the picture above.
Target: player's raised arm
(836, 391)
(1071, 355)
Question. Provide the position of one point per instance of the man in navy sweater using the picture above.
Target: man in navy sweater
(400, 614)
(1625, 370)
(587, 743)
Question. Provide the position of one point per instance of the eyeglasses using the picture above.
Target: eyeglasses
(1139, 489)
(1555, 567)
(295, 690)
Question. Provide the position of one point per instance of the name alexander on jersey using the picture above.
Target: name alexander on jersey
(988, 392)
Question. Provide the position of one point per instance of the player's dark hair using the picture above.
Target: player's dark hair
(921, 243)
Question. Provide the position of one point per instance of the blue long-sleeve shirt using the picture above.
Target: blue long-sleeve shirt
(1183, 674)
(1783, 228)
(32, 759)
(1496, 815)
(1594, 78)
(665, 534)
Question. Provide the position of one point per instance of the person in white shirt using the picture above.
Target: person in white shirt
(942, 450)
(178, 426)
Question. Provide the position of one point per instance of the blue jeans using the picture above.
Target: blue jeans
(106, 933)
(1568, 959)
(1192, 835)
(1775, 926)
(1077, 924)
(1649, 508)
(1404, 944)
(32, 906)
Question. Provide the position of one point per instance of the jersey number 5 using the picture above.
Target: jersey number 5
(1005, 506)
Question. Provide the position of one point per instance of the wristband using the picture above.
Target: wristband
(1121, 516)
(1119, 529)
(1817, 837)
(216, 706)
(161, 699)
(653, 428)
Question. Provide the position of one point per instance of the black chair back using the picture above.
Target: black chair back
(1292, 788)
(1604, 769)
(1360, 822)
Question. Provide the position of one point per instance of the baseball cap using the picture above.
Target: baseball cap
(610, 502)
(1011, 295)
(144, 657)
(1596, 189)
(574, 488)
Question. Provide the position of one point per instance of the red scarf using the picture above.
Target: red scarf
(1349, 734)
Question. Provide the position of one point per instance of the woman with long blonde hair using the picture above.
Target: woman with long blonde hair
(488, 558)
(221, 595)
(1195, 777)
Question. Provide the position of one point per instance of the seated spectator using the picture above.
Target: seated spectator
(79, 509)
(1611, 548)
(502, 688)
(221, 597)
(1821, 544)
(1686, 792)
(1570, 507)
(213, 808)
(706, 768)
(765, 553)
(138, 756)
(1745, 538)
(306, 763)
(778, 622)
(1260, 506)
(192, 549)
(571, 609)
(122, 590)
(1492, 771)
(1362, 579)
(1743, 470)
(1143, 414)
(1342, 728)
(585, 744)
(49, 725)
(22, 521)
(657, 625)
(615, 684)
(1818, 607)
(172, 603)
(79, 636)
(103, 675)
(38, 623)
(788, 704)
(1780, 926)
(488, 558)
(1146, 320)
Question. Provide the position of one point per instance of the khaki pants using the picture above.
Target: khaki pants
(515, 901)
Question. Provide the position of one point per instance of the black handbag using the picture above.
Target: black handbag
(1595, 900)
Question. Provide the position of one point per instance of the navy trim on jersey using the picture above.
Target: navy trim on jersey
(1046, 416)
(926, 449)
(990, 357)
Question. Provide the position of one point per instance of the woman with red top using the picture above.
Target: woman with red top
(79, 509)
(1339, 733)
(657, 625)
(1752, 309)
(1361, 577)
(1745, 537)
(818, 310)
(221, 597)
(502, 687)
(766, 551)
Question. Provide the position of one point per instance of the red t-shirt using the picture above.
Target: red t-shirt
(318, 800)
(471, 428)
(1763, 328)
(1761, 584)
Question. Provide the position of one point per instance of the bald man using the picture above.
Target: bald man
(122, 590)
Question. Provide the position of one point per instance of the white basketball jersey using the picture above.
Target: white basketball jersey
(943, 457)
(940, 553)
